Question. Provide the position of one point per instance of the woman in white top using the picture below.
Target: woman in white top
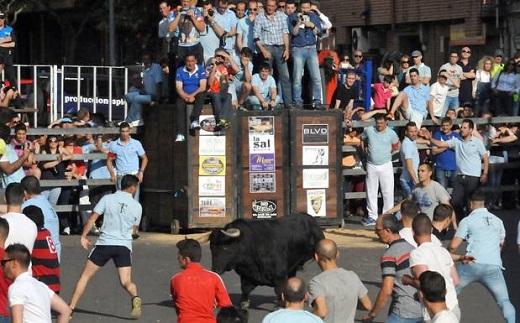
(482, 85)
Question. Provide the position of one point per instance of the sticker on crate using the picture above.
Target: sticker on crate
(316, 178)
(315, 155)
(261, 125)
(212, 165)
(212, 207)
(264, 209)
(261, 144)
(316, 205)
(212, 145)
(212, 185)
(315, 133)
(262, 183)
(208, 126)
(262, 163)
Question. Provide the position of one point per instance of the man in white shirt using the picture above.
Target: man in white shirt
(30, 300)
(21, 228)
(433, 291)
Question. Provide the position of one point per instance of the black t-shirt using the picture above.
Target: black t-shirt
(344, 95)
(466, 86)
(56, 172)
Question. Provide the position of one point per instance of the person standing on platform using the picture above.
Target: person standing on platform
(7, 45)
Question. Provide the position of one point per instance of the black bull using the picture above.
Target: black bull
(264, 252)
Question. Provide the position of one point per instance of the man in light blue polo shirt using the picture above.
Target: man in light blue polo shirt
(485, 235)
(126, 153)
(32, 190)
(122, 215)
(409, 159)
(413, 100)
(470, 154)
(378, 143)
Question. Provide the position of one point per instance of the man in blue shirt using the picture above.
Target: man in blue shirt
(409, 159)
(126, 153)
(191, 89)
(122, 215)
(7, 45)
(413, 100)
(470, 155)
(445, 164)
(485, 235)
(378, 143)
(303, 28)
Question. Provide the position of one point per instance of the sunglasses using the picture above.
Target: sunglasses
(346, 59)
(466, 51)
(253, 9)
(4, 261)
(53, 140)
(281, 7)
(405, 62)
(358, 56)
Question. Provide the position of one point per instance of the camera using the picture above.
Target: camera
(18, 147)
(184, 11)
(218, 63)
(211, 12)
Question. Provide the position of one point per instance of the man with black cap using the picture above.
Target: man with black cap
(7, 44)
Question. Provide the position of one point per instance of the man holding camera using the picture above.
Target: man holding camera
(271, 36)
(188, 22)
(304, 26)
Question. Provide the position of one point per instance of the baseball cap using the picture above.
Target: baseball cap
(416, 53)
(2, 15)
(499, 52)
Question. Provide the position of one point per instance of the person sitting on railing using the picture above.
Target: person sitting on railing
(18, 143)
(82, 117)
(264, 94)
(9, 97)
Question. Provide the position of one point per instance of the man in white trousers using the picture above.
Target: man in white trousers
(378, 142)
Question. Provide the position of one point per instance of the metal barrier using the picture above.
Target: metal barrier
(63, 90)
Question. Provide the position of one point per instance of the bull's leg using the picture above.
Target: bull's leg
(278, 289)
(247, 287)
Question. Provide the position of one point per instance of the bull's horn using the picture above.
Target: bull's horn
(231, 232)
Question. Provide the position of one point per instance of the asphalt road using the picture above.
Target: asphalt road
(155, 263)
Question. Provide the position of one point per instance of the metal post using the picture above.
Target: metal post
(368, 84)
(112, 33)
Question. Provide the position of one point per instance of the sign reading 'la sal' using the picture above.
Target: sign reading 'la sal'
(315, 133)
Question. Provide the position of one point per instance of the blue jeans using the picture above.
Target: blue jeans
(221, 104)
(52, 195)
(283, 71)
(306, 57)
(492, 278)
(394, 318)
(4, 319)
(407, 187)
(445, 177)
(136, 101)
(450, 103)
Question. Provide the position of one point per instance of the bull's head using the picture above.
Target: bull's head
(224, 245)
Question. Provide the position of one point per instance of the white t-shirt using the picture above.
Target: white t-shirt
(445, 316)
(35, 297)
(437, 259)
(21, 230)
(407, 234)
(438, 92)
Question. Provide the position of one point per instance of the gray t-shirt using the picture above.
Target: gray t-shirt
(430, 196)
(395, 262)
(342, 289)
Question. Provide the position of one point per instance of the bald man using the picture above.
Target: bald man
(335, 292)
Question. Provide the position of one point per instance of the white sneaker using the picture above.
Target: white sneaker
(195, 125)
(66, 231)
(180, 138)
(137, 123)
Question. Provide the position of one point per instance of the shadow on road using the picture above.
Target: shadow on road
(76, 310)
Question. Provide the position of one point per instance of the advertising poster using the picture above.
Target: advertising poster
(315, 155)
(212, 185)
(261, 144)
(212, 146)
(212, 207)
(264, 209)
(316, 205)
(315, 133)
(315, 178)
(261, 125)
(212, 165)
(208, 125)
(262, 163)
(262, 183)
